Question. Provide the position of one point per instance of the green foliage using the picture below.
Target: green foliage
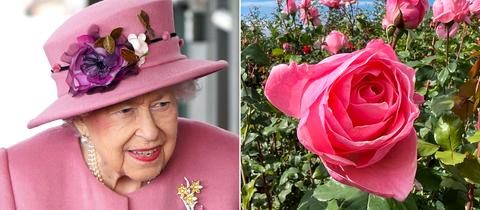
(279, 173)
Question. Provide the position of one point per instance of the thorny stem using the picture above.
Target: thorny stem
(396, 36)
(266, 187)
(448, 46)
(464, 33)
(470, 195)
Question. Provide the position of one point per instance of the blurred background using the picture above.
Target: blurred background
(209, 28)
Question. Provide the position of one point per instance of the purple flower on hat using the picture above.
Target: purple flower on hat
(92, 66)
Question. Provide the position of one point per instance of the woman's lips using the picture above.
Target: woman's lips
(145, 155)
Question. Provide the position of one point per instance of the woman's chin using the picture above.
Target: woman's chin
(144, 171)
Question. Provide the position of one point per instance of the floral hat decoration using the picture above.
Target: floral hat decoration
(102, 56)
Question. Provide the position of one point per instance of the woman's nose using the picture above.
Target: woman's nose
(147, 128)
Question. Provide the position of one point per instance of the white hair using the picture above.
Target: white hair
(186, 90)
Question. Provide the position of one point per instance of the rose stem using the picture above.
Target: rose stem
(471, 189)
(396, 36)
(464, 33)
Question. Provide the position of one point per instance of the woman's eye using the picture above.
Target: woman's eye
(125, 110)
(162, 105)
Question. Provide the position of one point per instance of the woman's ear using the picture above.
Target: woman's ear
(79, 123)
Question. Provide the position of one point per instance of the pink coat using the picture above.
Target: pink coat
(47, 172)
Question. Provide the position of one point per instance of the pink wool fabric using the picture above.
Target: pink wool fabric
(48, 172)
(164, 65)
(356, 113)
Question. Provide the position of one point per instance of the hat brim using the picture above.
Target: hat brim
(149, 79)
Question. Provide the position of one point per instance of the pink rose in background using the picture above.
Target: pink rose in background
(286, 46)
(331, 3)
(335, 41)
(356, 113)
(290, 7)
(442, 31)
(412, 11)
(445, 11)
(448, 13)
(474, 7)
(347, 2)
(304, 4)
(310, 14)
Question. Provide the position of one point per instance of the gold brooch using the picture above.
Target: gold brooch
(187, 193)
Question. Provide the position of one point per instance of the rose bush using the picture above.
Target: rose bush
(294, 162)
(354, 109)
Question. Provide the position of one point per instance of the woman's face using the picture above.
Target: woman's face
(135, 138)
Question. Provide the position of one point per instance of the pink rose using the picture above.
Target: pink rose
(286, 47)
(304, 4)
(412, 11)
(310, 14)
(331, 3)
(474, 7)
(290, 7)
(441, 30)
(335, 41)
(348, 2)
(356, 113)
(445, 11)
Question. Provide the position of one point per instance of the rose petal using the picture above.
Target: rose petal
(284, 88)
(391, 177)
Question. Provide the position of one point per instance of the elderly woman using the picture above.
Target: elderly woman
(119, 74)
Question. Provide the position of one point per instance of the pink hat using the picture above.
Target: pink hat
(113, 51)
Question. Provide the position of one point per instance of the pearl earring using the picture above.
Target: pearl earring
(91, 157)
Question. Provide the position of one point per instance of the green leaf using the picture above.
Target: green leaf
(377, 203)
(470, 169)
(443, 76)
(454, 199)
(109, 44)
(291, 173)
(254, 53)
(429, 59)
(425, 148)
(442, 104)
(250, 137)
(453, 184)
(247, 192)
(296, 58)
(277, 51)
(332, 205)
(284, 193)
(475, 138)
(334, 190)
(429, 180)
(450, 157)
(448, 132)
(408, 204)
(452, 67)
(308, 202)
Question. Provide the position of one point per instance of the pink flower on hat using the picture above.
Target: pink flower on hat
(140, 46)
(335, 41)
(356, 113)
